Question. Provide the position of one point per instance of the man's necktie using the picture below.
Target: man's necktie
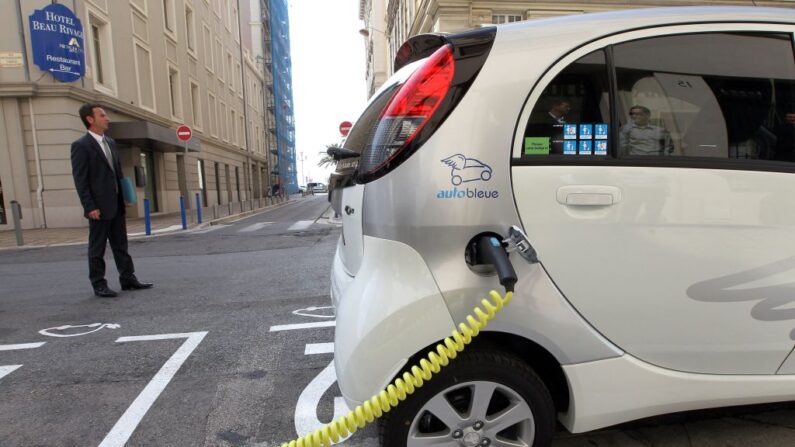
(106, 149)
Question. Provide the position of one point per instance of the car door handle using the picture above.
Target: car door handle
(589, 195)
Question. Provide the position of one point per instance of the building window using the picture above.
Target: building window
(174, 92)
(238, 78)
(222, 122)
(226, 9)
(233, 125)
(190, 26)
(241, 130)
(230, 70)
(101, 54)
(97, 53)
(195, 104)
(211, 105)
(219, 61)
(505, 18)
(208, 47)
(168, 16)
(143, 68)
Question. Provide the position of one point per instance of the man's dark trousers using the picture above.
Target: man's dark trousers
(98, 184)
(99, 232)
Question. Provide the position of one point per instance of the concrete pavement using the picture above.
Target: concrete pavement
(161, 224)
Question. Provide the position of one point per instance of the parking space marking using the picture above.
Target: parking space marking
(319, 348)
(308, 312)
(254, 227)
(93, 326)
(21, 346)
(301, 225)
(292, 327)
(306, 420)
(7, 369)
(128, 422)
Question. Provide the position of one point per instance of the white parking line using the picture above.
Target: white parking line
(21, 346)
(319, 348)
(301, 225)
(292, 327)
(128, 422)
(254, 227)
(7, 369)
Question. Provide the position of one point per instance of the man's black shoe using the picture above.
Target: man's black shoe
(105, 292)
(135, 285)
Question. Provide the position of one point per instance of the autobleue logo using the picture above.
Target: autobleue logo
(466, 170)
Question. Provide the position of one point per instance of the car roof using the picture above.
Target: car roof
(585, 27)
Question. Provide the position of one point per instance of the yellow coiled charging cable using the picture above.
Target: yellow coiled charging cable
(404, 386)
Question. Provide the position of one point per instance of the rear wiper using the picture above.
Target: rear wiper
(340, 153)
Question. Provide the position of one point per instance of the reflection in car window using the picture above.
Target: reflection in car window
(725, 95)
(572, 115)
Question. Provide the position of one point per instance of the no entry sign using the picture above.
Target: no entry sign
(345, 127)
(184, 133)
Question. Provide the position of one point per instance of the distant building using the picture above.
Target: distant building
(152, 65)
(406, 18)
(281, 89)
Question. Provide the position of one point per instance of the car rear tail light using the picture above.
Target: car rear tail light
(409, 110)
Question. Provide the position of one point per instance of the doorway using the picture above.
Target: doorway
(3, 220)
(150, 182)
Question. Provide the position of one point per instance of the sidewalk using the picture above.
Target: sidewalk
(161, 224)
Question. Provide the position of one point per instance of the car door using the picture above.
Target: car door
(680, 247)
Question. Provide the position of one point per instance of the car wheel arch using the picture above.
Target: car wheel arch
(545, 365)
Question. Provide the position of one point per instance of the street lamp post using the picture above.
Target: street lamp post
(303, 160)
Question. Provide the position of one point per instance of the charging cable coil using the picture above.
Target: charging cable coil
(411, 380)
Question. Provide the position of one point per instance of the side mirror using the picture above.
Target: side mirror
(339, 153)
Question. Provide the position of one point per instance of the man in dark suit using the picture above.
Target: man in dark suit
(97, 173)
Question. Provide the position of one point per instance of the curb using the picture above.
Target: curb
(232, 218)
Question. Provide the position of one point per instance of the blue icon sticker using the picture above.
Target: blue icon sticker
(601, 147)
(570, 147)
(600, 131)
(569, 131)
(586, 131)
(586, 147)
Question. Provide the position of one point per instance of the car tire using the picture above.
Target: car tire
(514, 381)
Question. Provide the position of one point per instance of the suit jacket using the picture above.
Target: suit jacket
(98, 186)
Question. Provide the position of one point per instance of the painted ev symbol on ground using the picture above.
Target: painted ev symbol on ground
(306, 409)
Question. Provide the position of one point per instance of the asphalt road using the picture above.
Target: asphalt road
(231, 348)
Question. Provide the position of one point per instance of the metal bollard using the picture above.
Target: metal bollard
(215, 211)
(182, 212)
(16, 212)
(147, 219)
(198, 209)
(229, 207)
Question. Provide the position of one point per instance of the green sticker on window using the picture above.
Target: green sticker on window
(536, 146)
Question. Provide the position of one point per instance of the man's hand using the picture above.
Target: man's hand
(94, 215)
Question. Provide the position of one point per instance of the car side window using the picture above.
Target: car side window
(721, 95)
(572, 115)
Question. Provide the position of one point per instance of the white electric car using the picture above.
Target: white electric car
(649, 158)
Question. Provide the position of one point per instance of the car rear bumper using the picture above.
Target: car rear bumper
(390, 310)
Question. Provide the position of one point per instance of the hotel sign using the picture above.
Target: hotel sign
(56, 36)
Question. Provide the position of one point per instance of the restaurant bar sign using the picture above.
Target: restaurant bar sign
(56, 36)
